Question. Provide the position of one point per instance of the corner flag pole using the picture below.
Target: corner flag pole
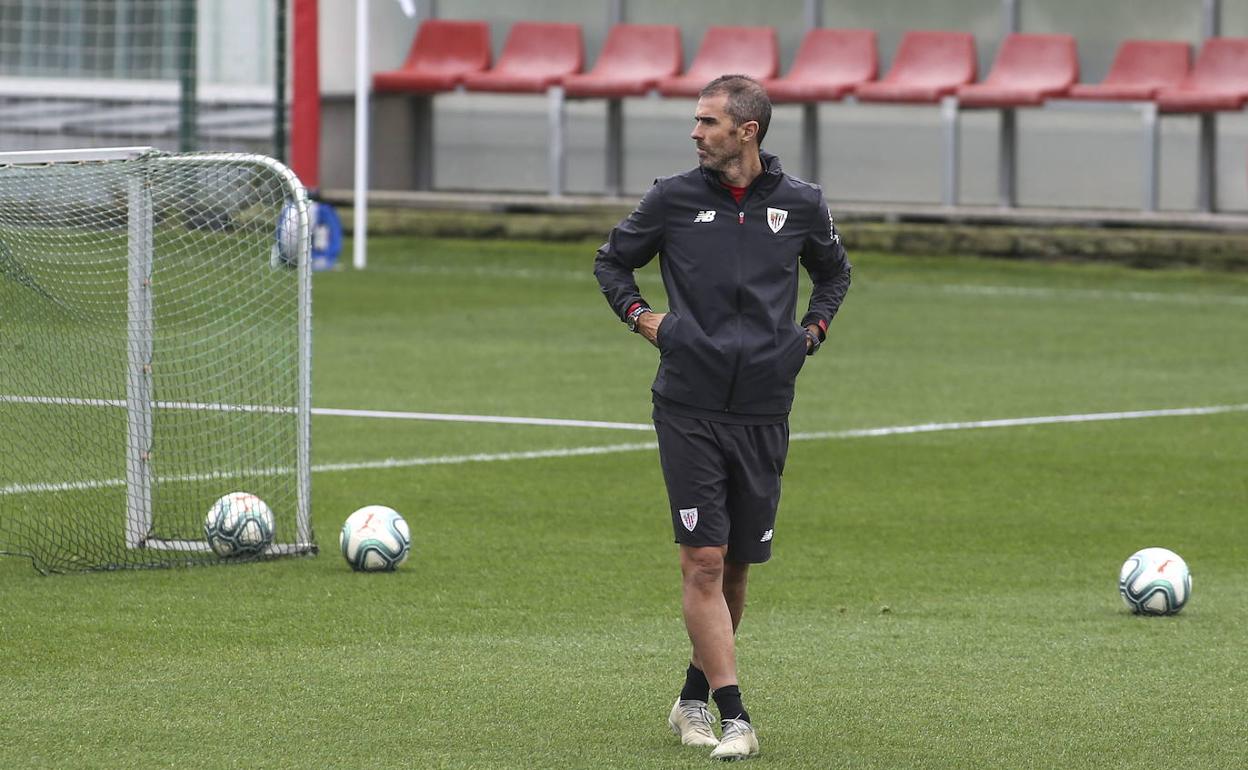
(359, 230)
(363, 87)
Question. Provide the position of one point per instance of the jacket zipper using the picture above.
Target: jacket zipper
(736, 366)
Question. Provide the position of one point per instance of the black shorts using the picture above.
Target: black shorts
(723, 482)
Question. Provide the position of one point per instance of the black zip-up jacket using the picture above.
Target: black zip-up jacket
(729, 344)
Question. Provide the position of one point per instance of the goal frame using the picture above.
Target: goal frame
(139, 402)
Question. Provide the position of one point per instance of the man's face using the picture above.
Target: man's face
(716, 138)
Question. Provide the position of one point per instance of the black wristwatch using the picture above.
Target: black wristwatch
(815, 342)
(638, 312)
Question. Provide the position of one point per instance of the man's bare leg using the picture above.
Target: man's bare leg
(708, 618)
(713, 602)
(736, 576)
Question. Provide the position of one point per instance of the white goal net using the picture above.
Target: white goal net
(154, 353)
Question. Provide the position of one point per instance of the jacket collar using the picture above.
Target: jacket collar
(765, 182)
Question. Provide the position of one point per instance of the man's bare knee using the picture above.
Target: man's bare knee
(703, 568)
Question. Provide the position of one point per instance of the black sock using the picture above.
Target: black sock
(728, 699)
(696, 687)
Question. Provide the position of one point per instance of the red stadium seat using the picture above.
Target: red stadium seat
(1218, 81)
(634, 58)
(929, 65)
(536, 56)
(1028, 70)
(749, 51)
(442, 53)
(1140, 69)
(828, 65)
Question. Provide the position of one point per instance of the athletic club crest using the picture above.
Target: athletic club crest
(689, 517)
(775, 219)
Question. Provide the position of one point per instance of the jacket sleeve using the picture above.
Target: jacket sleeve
(825, 260)
(630, 246)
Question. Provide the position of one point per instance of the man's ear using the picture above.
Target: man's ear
(748, 131)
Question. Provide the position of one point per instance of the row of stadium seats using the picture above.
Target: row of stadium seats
(930, 67)
(829, 65)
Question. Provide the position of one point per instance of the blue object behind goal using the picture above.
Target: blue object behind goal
(326, 235)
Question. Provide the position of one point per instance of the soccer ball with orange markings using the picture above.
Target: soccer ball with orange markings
(239, 524)
(375, 539)
(1155, 581)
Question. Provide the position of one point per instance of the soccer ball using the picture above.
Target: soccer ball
(375, 539)
(1155, 581)
(285, 249)
(239, 524)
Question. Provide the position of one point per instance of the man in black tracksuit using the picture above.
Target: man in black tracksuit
(730, 235)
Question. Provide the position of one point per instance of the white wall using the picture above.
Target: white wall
(236, 42)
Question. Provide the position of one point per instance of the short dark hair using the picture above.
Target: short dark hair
(747, 100)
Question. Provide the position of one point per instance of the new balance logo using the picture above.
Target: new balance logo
(766, 536)
(705, 216)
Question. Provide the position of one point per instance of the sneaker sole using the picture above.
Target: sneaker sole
(676, 730)
(736, 757)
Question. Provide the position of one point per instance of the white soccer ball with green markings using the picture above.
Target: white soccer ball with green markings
(1155, 581)
(239, 524)
(375, 539)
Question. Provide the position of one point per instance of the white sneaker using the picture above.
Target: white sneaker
(739, 741)
(692, 722)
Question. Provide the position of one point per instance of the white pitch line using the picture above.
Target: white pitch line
(59, 401)
(62, 486)
(894, 430)
(536, 454)
(1031, 292)
(82, 486)
(411, 462)
(485, 418)
(1017, 422)
(329, 412)
(120, 404)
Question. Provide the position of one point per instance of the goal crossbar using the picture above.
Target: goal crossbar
(90, 155)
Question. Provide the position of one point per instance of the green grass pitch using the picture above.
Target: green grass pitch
(937, 600)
